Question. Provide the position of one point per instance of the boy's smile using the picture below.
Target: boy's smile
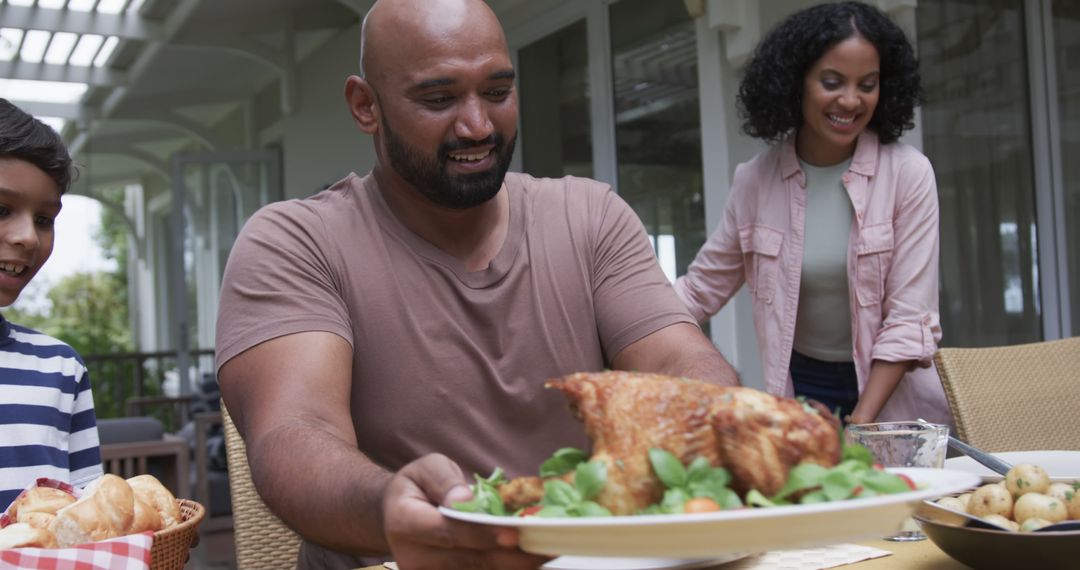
(29, 204)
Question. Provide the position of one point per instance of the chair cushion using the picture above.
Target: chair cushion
(127, 430)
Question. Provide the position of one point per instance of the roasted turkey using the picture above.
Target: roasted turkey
(756, 436)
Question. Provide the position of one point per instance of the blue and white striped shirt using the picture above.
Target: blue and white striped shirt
(47, 423)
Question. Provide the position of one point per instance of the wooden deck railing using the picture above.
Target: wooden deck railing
(125, 379)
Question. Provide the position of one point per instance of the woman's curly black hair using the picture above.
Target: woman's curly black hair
(770, 94)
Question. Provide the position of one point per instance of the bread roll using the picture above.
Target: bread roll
(106, 510)
(39, 500)
(36, 520)
(149, 489)
(22, 535)
(146, 518)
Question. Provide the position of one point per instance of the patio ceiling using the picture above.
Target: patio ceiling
(129, 82)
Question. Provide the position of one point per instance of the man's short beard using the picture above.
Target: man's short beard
(431, 177)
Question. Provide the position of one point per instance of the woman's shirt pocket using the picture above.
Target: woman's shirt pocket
(873, 256)
(761, 256)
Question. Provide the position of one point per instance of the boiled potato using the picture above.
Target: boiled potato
(1074, 505)
(953, 503)
(1060, 491)
(1001, 521)
(1033, 524)
(991, 500)
(1027, 478)
(1039, 506)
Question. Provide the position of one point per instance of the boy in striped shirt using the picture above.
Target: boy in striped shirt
(47, 423)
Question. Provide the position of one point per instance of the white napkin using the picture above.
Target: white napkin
(809, 558)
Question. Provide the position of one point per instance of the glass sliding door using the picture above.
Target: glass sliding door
(556, 136)
(1066, 22)
(213, 194)
(977, 132)
(658, 125)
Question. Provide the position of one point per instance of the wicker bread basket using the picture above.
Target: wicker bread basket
(172, 546)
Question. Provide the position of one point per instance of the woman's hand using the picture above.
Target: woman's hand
(420, 537)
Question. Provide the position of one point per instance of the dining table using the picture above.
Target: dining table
(915, 555)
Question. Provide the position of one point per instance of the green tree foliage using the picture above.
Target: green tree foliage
(89, 314)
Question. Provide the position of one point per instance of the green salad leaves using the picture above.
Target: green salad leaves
(685, 483)
(855, 477)
(486, 498)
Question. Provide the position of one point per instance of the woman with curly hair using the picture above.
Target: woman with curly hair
(834, 227)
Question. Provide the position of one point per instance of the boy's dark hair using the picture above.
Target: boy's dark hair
(770, 94)
(26, 138)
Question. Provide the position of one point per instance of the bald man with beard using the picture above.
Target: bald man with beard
(381, 341)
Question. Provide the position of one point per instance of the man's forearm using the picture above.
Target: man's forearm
(322, 487)
(707, 366)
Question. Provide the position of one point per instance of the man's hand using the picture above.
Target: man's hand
(420, 537)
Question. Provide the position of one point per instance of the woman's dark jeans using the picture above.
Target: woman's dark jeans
(834, 384)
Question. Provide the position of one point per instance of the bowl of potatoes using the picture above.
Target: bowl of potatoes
(1025, 505)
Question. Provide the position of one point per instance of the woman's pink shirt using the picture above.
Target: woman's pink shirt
(892, 266)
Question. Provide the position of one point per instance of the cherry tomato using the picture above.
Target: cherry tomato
(700, 505)
(910, 483)
(530, 511)
(878, 467)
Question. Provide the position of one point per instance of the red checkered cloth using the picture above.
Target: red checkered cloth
(130, 552)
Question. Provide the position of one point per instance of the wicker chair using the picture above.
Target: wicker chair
(1015, 398)
(262, 540)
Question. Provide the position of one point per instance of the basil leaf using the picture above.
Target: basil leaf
(754, 498)
(802, 476)
(674, 501)
(483, 501)
(560, 493)
(591, 509)
(727, 499)
(667, 467)
(486, 498)
(858, 453)
(562, 461)
(552, 511)
(838, 485)
(699, 469)
(590, 478)
(884, 483)
(711, 480)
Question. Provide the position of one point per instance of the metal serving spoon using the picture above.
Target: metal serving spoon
(936, 513)
(991, 462)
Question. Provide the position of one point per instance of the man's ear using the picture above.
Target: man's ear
(362, 104)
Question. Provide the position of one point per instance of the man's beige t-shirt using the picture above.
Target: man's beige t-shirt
(447, 360)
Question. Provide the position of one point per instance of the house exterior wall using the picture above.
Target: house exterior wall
(320, 142)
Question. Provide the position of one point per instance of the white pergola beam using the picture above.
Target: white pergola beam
(172, 24)
(67, 111)
(96, 76)
(125, 26)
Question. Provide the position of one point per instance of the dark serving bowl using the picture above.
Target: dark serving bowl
(980, 548)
